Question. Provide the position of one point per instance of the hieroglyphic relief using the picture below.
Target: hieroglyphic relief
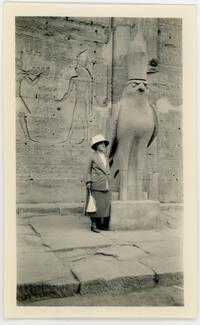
(61, 80)
(82, 84)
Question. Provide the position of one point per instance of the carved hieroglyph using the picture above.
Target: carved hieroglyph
(62, 79)
(136, 124)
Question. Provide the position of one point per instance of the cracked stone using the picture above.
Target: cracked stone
(169, 269)
(100, 274)
(25, 230)
(122, 253)
(74, 255)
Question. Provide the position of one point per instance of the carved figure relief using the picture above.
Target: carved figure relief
(82, 84)
(136, 124)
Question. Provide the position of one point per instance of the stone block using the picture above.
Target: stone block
(62, 287)
(126, 215)
(102, 274)
(169, 270)
(37, 266)
(71, 236)
(163, 249)
(171, 215)
(49, 190)
(171, 190)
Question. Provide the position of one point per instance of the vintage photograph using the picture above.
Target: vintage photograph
(100, 217)
(99, 161)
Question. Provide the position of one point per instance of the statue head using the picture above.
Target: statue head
(136, 87)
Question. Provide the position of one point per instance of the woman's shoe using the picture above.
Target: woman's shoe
(94, 229)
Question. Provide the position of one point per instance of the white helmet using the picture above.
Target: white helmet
(98, 138)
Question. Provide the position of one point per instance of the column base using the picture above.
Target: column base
(135, 215)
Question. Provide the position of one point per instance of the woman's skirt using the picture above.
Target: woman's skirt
(103, 204)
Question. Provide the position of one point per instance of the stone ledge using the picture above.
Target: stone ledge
(45, 290)
(49, 209)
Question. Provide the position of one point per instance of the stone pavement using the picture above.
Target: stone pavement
(58, 256)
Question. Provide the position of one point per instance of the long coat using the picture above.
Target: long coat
(97, 174)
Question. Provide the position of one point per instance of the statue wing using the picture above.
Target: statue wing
(156, 125)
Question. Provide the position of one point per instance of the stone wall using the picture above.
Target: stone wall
(70, 74)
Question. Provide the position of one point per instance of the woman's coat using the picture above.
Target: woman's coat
(97, 174)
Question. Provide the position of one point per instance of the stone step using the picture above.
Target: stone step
(135, 277)
(50, 209)
(126, 215)
(103, 278)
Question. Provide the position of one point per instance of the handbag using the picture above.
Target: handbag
(91, 206)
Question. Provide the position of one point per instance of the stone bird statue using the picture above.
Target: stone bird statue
(135, 125)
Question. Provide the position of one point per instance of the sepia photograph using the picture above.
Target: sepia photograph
(99, 164)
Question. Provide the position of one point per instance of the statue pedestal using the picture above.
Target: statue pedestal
(134, 215)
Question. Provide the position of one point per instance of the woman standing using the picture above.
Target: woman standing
(98, 181)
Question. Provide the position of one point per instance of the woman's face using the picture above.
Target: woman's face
(101, 147)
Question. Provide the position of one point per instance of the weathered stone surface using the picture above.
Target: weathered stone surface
(58, 288)
(168, 269)
(171, 215)
(164, 248)
(170, 42)
(37, 209)
(122, 253)
(154, 186)
(147, 236)
(86, 263)
(43, 190)
(70, 256)
(134, 215)
(37, 267)
(164, 264)
(70, 236)
(25, 230)
(105, 274)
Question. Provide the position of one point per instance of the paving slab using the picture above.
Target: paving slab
(172, 247)
(64, 236)
(40, 272)
(134, 237)
(101, 274)
(25, 230)
(28, 242)
(122, 253)
(70, 256)
(168, 269)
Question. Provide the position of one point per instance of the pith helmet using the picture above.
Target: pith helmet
(98, 138)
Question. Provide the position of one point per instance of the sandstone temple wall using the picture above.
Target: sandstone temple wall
(70, 73)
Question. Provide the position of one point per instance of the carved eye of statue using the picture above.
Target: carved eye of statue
(134, 84)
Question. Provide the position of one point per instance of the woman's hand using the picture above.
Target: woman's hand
(88, 185)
